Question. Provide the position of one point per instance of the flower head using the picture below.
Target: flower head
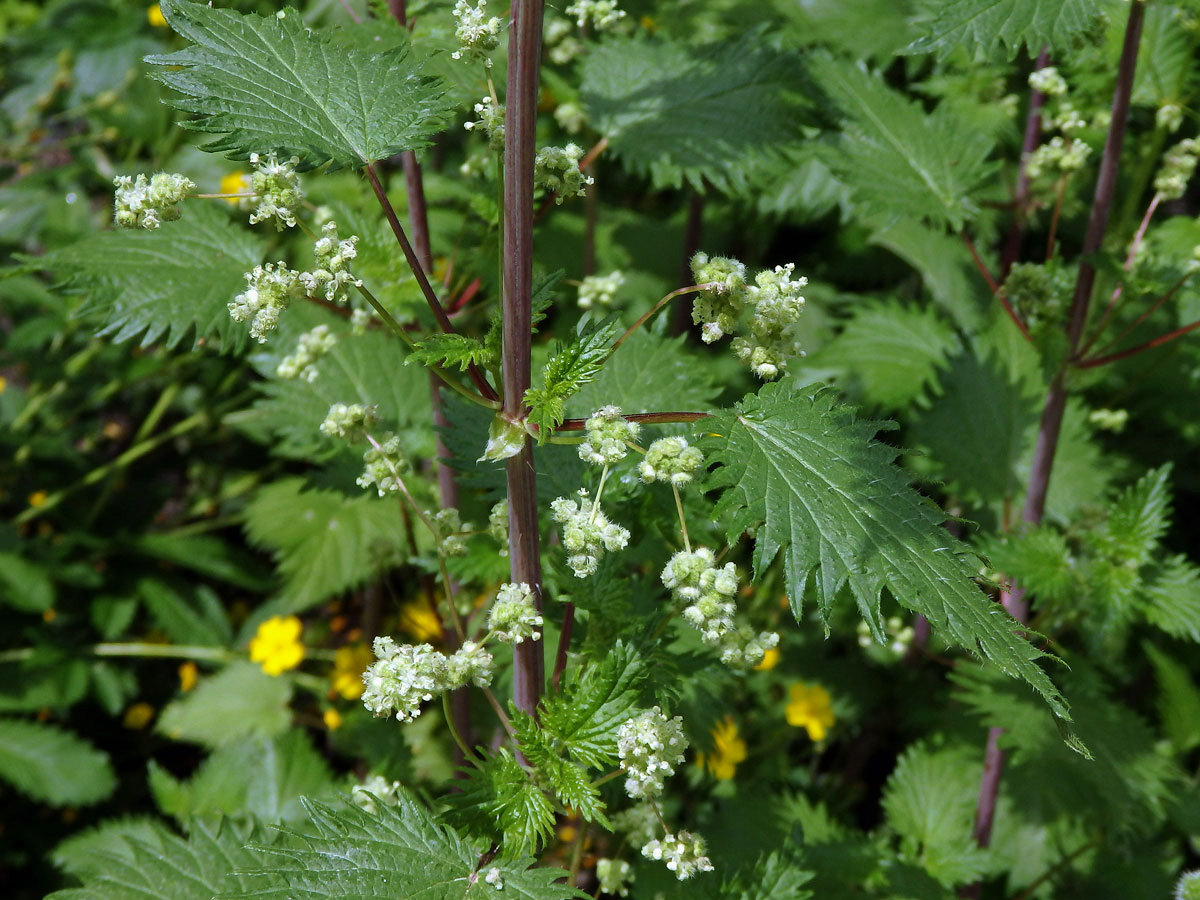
(348, 420)
(349, 663)
(302, 364)
(491, 122)
(273, 190)
(498, 525)
(615, 876)
(599, 290)
(556, 169)
(684, 853)
(331, 275)
(586, 533)
(476, 31)
(188, 675)
(607, 435)
(1048, 81)
(670, 459)
(728, 749)
(514, 617)
(270, 289)
(470, 664)
(650, 746)
(142, 203)
(375, 788)
(403, 677)
(1179, 164)
(603, 14)
(382, 466)
(276, 644)
(809, 707)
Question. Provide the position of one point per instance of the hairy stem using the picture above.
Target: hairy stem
(1056, 399)
(524, 59)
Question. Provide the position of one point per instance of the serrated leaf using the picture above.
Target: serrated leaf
(323, 542)
(930, 802)
(1138, 519)
(1039, 559)
(823, 492)
(274, 84)
(196, 618)
(889, 353)
(497, 796)
(88, 853)
(162, 285)
(263, 777)
(1173, 599)
(206, 554)
(402, 851)
(165, 865)
(451, 350)
(238, 701)
(571, 367)
(665, 108)
(979, 26)
(1165, 73)
(50, 765)
(569, 781)
(1178, 700)
(898, 161)
(542, 299)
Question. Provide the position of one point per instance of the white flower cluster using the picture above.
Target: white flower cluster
(359, 320)
(1048, 81)
(302, 364)
(450, 526)
(382, 464)
(607, 435)
(570, 117)
(602, 13)
(375, 788)
(670, 459)
(491, 121)
(332, 272)
(476, 31)
(615, 876)
(1178, 167)
(600, 290)
(777, 304)
(404, 675)
(901, 635)
(650, 746)
(684, 854)
(586, 533)
(274, 189)
(514, 617)
(1058, 155)
(707, 594)
(1188, 886)
(556, 169)
(270, 289)
(639, 823)
(1169, 117)
(498, 525)
(560, 41)
(348, 420)
(495, 878)
(142, 203)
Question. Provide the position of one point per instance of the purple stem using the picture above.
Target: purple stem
(1033, 136)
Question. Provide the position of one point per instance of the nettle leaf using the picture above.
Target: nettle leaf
(263, 777)
(930, 802)
(666, 108)
(274, 84)
(1173, 599)
(53, 766)
(568, 780)
(1138, 519)
(88, 853)
(162, 285)
(898, 161)
(451, 350)
(239, 700)
(401, 851)
(1039, 559)
(571, 367)
(818, 487)
(161, 864)
(979, 26)
(497, 796)
(890, 353)
(323, 541)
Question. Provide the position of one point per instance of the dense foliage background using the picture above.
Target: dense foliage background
(168, 500)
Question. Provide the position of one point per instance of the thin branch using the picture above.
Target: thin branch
(1032, 887)
(656, 418)
(584, 165)
(1033, 136)
(690, 289)
(1154, 307)
(564, 643)
(1058, 204)
(1140, 348)
(995, 288)
(414, 263)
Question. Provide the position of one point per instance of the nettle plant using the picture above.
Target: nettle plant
(638, 534)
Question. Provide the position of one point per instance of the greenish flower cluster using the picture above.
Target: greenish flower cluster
(615, 876)
(451, 527)
(586, 533)
(382, 466)
(498, 525)
(608, 434)
(348, 420)
(476, 31)
(302, 364)
(899, 632)
(562, 46)
(375, 788)
(570, 117)
(602, 14)
(274, 190)
(1178, 167)
(491, 122)
(270, 289)
(717, 308)
(331, 276)
(1058, 156)
(1048, 81)
(404, 675)
(600, 290)
(650, 746)
(556, 169)
(684, 854)
(142, 203)
(514, 617)
(670, 459)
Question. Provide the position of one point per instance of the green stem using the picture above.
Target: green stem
(448, 715)
(599, 493)
(166, 651)
(687, 544)
(605, 779)
(577, 853)
(690, 289)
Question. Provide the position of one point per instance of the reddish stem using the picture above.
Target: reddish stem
(1033, 136)
(995, 288)
(1140, 348)
(657, 418)
(1140, 319)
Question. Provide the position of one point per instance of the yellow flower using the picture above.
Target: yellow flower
(38, 499)
(809, 707)
(155, 17)
(769, 661)
(233, 184)
(138, 716)
(727, 750)
(3, 383)
(333, 719)
(276, 645)
(349, 663)
(420, 622)
(187, 676)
